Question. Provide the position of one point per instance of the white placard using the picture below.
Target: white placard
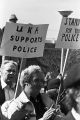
(69, 34)
(23, 40)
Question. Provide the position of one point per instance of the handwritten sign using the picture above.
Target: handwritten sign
(23, 40)
(69, 34)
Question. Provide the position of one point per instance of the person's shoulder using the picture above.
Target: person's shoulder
(69, 116)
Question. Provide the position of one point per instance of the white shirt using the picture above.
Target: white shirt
(15, 106)
(9, 93)
(3, 84)
(75, 114)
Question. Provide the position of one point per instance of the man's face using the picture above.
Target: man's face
(37, 84)
(9, 74)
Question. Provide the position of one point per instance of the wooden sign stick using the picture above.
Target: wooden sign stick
(18, 78)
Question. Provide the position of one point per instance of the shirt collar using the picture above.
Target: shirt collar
(23, 97)
(75, 114)
(3, 84)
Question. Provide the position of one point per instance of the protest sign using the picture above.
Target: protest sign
(23, 40)
(69, 34)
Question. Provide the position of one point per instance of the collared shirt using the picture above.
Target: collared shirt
(9, 93)
(75, 114)
(16, 108)
(3, 84)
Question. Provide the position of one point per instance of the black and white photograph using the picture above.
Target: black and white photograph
(39, 60)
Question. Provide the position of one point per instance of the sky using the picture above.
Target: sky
(39, 12)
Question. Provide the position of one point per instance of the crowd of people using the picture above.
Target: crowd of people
(40, 97)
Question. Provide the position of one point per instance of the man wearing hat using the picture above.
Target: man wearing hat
(12, 19)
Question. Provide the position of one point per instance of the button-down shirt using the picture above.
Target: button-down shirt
(9, 92)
